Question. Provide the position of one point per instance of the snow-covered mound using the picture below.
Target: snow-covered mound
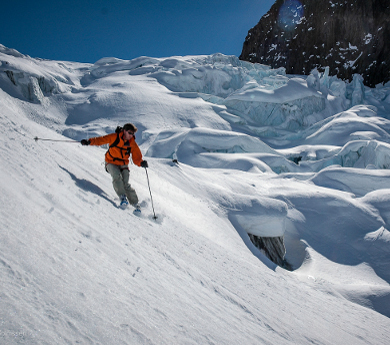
(256, 152)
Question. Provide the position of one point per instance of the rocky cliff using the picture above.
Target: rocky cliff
(349, 36)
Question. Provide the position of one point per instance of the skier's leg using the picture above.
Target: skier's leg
(130, 192)
(117, 179)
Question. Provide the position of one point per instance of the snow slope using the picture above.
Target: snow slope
(259, 152)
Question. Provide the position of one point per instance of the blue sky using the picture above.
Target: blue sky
(87, 30)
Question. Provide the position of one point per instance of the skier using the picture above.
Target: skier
(122, 143)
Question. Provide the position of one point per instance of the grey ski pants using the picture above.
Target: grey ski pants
(120, 180)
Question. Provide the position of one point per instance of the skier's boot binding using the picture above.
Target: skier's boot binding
(124, 201)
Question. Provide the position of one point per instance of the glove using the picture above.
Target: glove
(144, 164)
(85, 142)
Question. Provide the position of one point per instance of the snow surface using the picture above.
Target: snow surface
(258, 152)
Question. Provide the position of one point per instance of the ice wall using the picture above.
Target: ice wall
(34, 79)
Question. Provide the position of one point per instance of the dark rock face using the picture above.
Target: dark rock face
(349, 36)
(273, 248)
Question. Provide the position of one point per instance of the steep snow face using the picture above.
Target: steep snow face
(75, 268)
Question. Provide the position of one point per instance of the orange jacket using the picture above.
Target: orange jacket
(120, 153)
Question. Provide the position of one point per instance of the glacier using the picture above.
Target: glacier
(251, 168)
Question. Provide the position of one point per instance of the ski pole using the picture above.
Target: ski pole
(62, 141)
(151, 198)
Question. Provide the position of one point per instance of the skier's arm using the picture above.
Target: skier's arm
(105, 139)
